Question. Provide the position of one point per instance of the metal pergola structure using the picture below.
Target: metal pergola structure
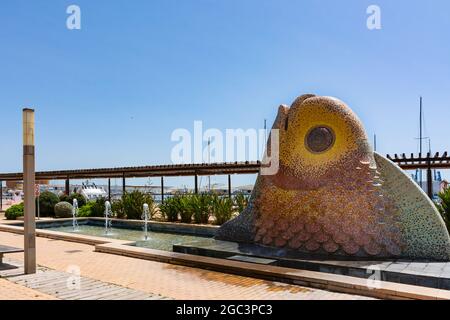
(428, 162)
(162, 171)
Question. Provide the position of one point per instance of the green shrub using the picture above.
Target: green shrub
(15, 211)
(47, 202)
(240, 201)
(185, 208)
(444, 206)
(98, 207)
(169, 209)
(64, 198)
(86, 210)
(222, 209)
(201, 207)
(81, 200)
(133, 203)
(63, 209)
(93, 208)
(118, 210)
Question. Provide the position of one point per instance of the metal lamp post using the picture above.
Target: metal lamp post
(28, 186)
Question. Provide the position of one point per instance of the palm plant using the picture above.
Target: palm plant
(169, 209)
(184, 208)
(240, 201)
(444, 206)
(201, 207)
(133, 202)
(222, 209)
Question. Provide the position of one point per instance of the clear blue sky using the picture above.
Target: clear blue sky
(139, 69)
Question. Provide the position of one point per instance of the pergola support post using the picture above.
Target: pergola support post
(196, 184)
(162, 190)
(1, 195)
(124, 184)
(109, 189)
(229, 185)
(67, 186)
(429, 178)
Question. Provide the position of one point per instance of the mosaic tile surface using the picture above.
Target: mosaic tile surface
(424, 230)
(332, 195)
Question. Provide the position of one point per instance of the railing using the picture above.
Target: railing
(428, 163)
(412, 162)
(421, 162)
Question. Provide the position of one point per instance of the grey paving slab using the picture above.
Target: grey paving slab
(39, 279)
(60, 289)
(252, 259)
(92, 293)
(101, 293)
(55, 283)
(112, 294)
(48, 282)
(130, 296)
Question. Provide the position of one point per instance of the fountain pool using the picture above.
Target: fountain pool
(155, 240)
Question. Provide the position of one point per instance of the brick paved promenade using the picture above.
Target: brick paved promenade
(167, 280)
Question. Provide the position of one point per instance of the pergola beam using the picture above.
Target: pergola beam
(149, 171)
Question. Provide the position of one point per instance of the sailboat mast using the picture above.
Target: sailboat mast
(209, 162)
(420, 139)
(375, 142)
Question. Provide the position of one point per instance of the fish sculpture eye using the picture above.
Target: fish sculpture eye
(320, 139)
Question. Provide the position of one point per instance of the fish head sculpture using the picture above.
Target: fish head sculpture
(319, 138)
(332, 195)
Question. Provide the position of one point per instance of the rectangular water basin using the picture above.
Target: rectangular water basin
(155, 239)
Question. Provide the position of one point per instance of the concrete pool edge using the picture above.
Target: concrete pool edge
(180, 228)
(157, 226)
(319, 280)
(64, 236)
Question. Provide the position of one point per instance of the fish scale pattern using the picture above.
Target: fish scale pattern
(332, 195)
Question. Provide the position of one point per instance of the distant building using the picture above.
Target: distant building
(246, 189)
(14, 185)
(444, 185)
(18, 185)
(438, 184)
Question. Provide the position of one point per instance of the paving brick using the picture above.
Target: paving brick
(168, 280)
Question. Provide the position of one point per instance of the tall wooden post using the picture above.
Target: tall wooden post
(109, 189)
(229, 185)
(28, 187)
(196, 184)
(429, 177)
(67, 186)
(124, 185)
(1, 195)
(162, 189)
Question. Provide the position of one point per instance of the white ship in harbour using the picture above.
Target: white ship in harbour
(92, 192)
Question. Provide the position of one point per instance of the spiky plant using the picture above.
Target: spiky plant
(240, 201)
(444, 206)
(201, 207)
(222, 209)
(169, 209)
